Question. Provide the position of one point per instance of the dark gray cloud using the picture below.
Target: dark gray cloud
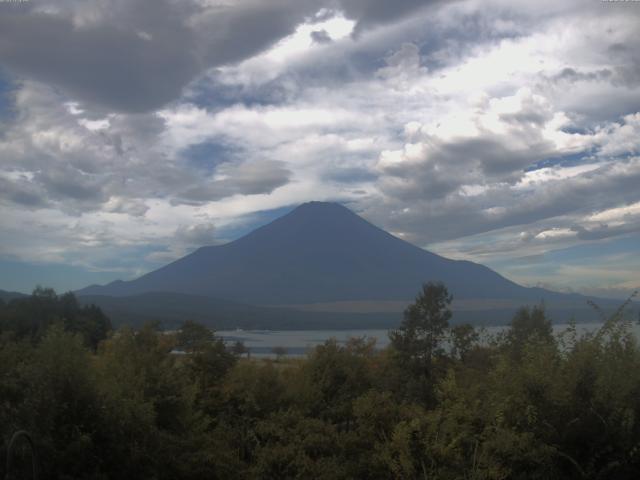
(233, 33)
(627, 60)
(61, 185)
(349, 174)
(196, 235)
(491, 155)
(320, 36)
(130, 206)
(373, 12)
(137, 56)
(244, 179)
(430, 219)
(50, 159)
(571, 75)
(22, 192)
(68, 183)
(135, 67)
(447, 166)
(627, 73)
(333, 113)
(603, 230)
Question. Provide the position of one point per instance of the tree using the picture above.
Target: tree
(333, 376)
(239, 348)
(279, 352)
(30, 317)
(529, 325)
(210, 363)
(194, 336)
(424, 325)
(463, 338)
(417, 343)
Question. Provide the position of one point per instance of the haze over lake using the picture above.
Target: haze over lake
(261, 343)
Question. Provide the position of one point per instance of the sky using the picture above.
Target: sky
(502, 132)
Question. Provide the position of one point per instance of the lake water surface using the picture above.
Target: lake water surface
(299, 342)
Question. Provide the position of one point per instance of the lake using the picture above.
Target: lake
(299, 342)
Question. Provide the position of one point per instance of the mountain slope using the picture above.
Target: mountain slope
(8, 296)
(319, 252)
(171, 309)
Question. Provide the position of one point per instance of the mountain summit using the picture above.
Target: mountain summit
(319, 252)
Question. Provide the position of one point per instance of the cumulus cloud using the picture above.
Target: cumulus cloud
(20, 190)
(132, 58)
(372, 12)
(320, 36)
(129, 206)
(620, 138)
(51, 157)
(403, 67)
(243, 179)
(485, 131)
(486, 150)
(136, 56)
(196, 235)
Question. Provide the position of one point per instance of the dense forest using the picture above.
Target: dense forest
(441, 402)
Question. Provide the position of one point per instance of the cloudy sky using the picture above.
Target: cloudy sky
(507, 133)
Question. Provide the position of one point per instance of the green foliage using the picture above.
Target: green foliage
(193, 336)
(463, 339)
(417, 345)
(279, 352)
(529, 325)
(334, 376)
(239, 348)
(425, 323)
(524, 405)
(30, 317)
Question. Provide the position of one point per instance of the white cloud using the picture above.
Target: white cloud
(616, 214)
(463, 124)
(95, 125)
(301, 41)
(620, 138)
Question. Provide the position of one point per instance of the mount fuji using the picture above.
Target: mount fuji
(323, 258)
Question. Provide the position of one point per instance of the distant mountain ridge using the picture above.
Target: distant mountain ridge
(171, 309)
(8, 296)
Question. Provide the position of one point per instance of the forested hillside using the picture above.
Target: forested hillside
(441, 402)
